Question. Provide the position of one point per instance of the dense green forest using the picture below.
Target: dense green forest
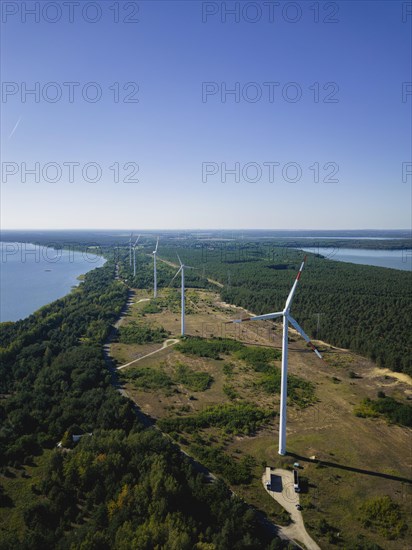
(363, 308)
(122, 485)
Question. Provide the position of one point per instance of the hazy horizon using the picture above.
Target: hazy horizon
(341, 229)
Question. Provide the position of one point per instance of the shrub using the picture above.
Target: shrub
(394, 411)
(239, 418)
(384, 516)
(149, 378)
(300, 392)
(139, 333)
(212, 347)
(230, 391)
(228, 369)
(215, 459)
(195, 381)
(260, 359)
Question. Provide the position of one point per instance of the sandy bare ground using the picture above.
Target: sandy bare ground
(402, 377)
(281, 490)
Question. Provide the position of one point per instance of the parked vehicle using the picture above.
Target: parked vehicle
(296, 481)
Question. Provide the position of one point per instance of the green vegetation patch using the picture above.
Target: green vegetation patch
(392, 410)
(151, 307)
(195, 381)
(237, 419)
(300, 392)
(260, 359)
(381, 514)
(228, 369)
(148, 378)
(208, 347)
(217, 461)
(230, 392)
(141, 333)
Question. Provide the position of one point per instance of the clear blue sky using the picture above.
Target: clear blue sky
(170, 132)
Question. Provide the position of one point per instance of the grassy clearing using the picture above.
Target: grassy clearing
(326, 427)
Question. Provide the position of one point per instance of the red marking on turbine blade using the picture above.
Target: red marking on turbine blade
(304, 259)
(298, 275)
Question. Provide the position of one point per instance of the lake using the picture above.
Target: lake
(32, 276)
(395, 259)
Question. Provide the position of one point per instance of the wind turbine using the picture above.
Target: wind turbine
(134, 256)
(130, 249)
(182, 271)
(287, 318)
(155, 269)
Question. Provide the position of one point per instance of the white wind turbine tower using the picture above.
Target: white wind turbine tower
(287, 318)
(130, 249)
(134, 256)
(155, 269)
(182, 271)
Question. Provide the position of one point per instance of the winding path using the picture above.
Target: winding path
(166, 344)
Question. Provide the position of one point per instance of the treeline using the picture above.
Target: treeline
(84, 316)
(165, 272)
(363, 308)
(52, 370)
(121, 487)
(119, 491)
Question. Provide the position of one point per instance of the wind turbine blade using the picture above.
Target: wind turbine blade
(176, 274)
(295, 284)
(157, 244)
(137, 240)
(297, 327)
(258, 317)
(180, 261)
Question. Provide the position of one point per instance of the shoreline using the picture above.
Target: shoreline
(37, 283)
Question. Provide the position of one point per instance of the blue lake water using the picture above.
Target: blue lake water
(32, 276)
(395, 259)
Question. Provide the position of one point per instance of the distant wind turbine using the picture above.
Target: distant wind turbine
(287, 318)
(130, 249)
(155, 269)
(182, 271)
(15, 128)
(134, 256)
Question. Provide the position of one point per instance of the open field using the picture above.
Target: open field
(356, 458)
